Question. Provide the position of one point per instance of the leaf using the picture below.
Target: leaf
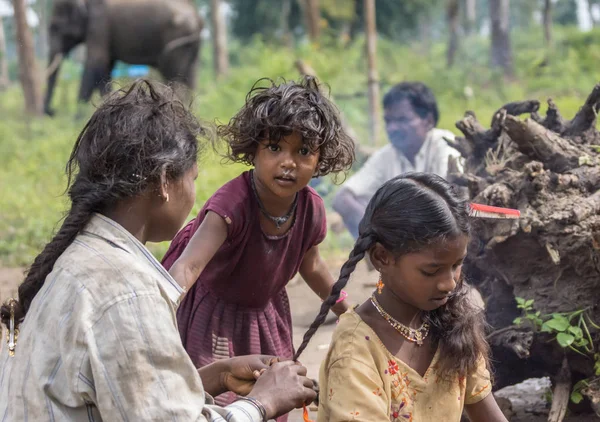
(576, 331)
(558, 323)
(576, 397)
(518, 321)
(545, 328)
(520, 300)
(529, 303)
(564, 339)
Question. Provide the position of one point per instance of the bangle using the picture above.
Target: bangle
(343, 296)
(261, 409)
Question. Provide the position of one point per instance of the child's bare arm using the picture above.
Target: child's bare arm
(486, 410)
(203, 245)
(316, 274)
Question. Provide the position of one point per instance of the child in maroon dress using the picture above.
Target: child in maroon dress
(261, 228)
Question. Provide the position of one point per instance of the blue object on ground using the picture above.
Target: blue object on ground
(130, 71)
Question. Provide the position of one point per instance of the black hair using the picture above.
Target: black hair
(274, 111)
(134, 136)
(419, 95)
(407, 214)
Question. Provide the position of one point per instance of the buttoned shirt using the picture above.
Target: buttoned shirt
(389, 162)
(100, 342)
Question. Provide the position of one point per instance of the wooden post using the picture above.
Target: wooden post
(452, 17)
(373, 78)
(28, 71)
(219, 36)
(470, 16)
(548, 21)
(286, 9)
(3, 61)
(501, 51)
(312, 17)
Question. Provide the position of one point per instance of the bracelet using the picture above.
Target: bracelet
(258, 405)
(343, 296)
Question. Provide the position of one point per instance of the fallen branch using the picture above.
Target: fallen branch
(561, 393)
(517, 340)
(541, 144)
(586, 116)
(554, 120)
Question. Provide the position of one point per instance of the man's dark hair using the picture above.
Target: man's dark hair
(419, 95)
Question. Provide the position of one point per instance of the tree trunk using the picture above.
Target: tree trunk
(452, 18)
(373, 77)
(312, 17)
(549, 168)
(43, 28)
(548, 21)
(590, 5)
(3, 62)
(219, 36)
(501, 54)
(28, 72)
(470, 16)
(425, 31)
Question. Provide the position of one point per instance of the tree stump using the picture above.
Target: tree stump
(549, 169)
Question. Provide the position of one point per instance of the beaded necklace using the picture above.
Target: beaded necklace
(279, 221)
(415, 335)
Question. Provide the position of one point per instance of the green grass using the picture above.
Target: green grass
(33, 153)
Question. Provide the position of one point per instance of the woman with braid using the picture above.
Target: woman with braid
(93, 334)
(416, 350)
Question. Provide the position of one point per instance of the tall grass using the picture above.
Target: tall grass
(33, 152)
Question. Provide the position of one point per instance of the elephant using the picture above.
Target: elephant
(164, 34)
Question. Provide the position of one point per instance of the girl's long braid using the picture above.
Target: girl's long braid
(362, 245)
(85, 202)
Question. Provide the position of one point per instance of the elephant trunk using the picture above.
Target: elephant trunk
(54, 62)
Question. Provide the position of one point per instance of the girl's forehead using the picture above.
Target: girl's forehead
(444, 249)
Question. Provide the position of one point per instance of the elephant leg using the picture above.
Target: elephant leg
(106, 81)
(180, 65)
(93, 74)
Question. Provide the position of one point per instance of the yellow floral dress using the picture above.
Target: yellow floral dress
(360, 380)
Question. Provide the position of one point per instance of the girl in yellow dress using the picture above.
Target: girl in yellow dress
(416, 350)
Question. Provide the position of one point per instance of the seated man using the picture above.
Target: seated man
(411, 114)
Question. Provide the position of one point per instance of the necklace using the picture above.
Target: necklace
(278, 221)
(415, 335)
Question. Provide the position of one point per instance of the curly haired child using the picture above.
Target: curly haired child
(416, 350)
(261, 228)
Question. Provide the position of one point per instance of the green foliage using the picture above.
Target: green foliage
(570, 330)
(33, 153)
(565, 12)
(262, 17)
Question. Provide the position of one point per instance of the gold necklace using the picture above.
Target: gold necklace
(415, 335)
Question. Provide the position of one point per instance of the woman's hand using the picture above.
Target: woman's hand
(243, 372)
(237, 374)
(282, 388)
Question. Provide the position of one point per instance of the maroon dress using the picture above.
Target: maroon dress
(239, 305)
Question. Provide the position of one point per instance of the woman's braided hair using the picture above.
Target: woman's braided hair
(134, 136)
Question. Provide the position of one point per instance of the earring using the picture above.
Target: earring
(379, 285)
(167, 198)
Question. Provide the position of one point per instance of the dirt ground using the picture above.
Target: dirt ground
(305, 305)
